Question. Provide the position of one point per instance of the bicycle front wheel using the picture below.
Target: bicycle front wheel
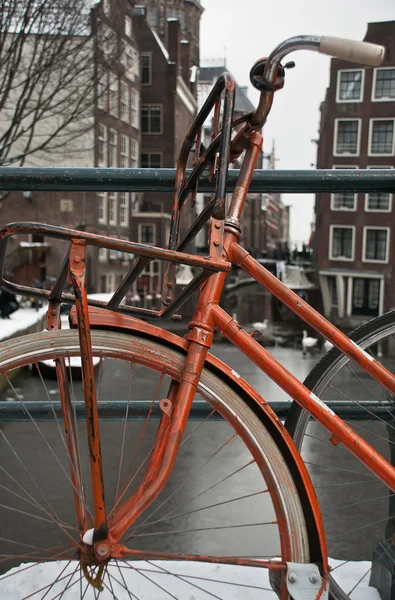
(230, 494)
(358, 509)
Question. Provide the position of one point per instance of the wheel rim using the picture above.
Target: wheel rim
(366, 499)
(208, 503)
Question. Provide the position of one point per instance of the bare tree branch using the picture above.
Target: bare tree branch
(50, 64)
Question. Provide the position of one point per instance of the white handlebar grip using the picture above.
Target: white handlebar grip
(352, 51)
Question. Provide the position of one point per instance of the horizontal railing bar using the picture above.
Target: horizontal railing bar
(162, 180)
(138, 410)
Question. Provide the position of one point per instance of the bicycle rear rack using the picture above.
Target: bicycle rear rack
(142, 254)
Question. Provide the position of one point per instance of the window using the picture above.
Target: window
(341, 243)
(102, 151)
(134, 107)
(106, 7)
(384, 84)
(151, 118)
(103, 254)
(375, 244)
(350, 85)
(151, 160)
(124, 163)
(134, 153)
(346, 137)
(344, 200)
(102, 207)
(124, 102)
(378, 201)
(146, 69)
(124, 209)
(365, 296)
(381, 137)
(112, 148)
(112, 208)
(102, 93)
(108, 282)
(130, 61)
(113, 89)
(147, 234)
(152, 16)
(333, 290)
(128, 26)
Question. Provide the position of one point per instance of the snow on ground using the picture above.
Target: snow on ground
(150, 581)
(19, 321)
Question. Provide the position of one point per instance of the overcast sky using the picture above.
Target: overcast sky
(249, 30)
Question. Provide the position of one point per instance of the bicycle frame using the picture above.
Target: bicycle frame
(209, 316)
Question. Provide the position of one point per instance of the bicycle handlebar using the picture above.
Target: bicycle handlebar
(350, 50)
(357, 52)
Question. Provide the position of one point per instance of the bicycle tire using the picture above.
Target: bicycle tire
(150, 354)
(365, 335)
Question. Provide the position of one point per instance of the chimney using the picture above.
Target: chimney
(185, 61)
(173, 41)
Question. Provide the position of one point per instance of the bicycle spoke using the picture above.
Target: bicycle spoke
(332, 468)
(169, 515)
(191, 583)
(143, 430)
(368, 388)
(209, 579)
(218, 527)
(231, 438)
(124, 430)
(325, 512)
(44, 439)
(344, 533)
(50, 585)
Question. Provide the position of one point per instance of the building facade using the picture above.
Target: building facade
(110, 138)
(188, 14)
(354, 237)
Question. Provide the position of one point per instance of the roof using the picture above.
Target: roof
(206, 78)
(196, 3)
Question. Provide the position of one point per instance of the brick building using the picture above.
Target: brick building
(110, 137)
(353, 243)
(187, 12)
(168, 108)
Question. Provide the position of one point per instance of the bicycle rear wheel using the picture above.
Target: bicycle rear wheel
(354, 503)
(230, 494)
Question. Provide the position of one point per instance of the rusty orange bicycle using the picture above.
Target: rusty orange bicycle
(160, 472)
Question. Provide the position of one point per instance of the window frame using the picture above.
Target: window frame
(150, 105)
(113, 88)
(149, 56)
(335, 136)
(134, 157)
(102, 96)
(364, 241)
(124, 154)
(342, 258)
(160, 154)
(102, 255)
(124, 222)
(378, 210)
(128, 27)
(124, 86)
(338, 99)
(373, 97)
(102, 196)
(112, 196)
(134, 110)
(140, 227)
(342, 167)
(373, 120)
(102, 139)
(113, 147)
